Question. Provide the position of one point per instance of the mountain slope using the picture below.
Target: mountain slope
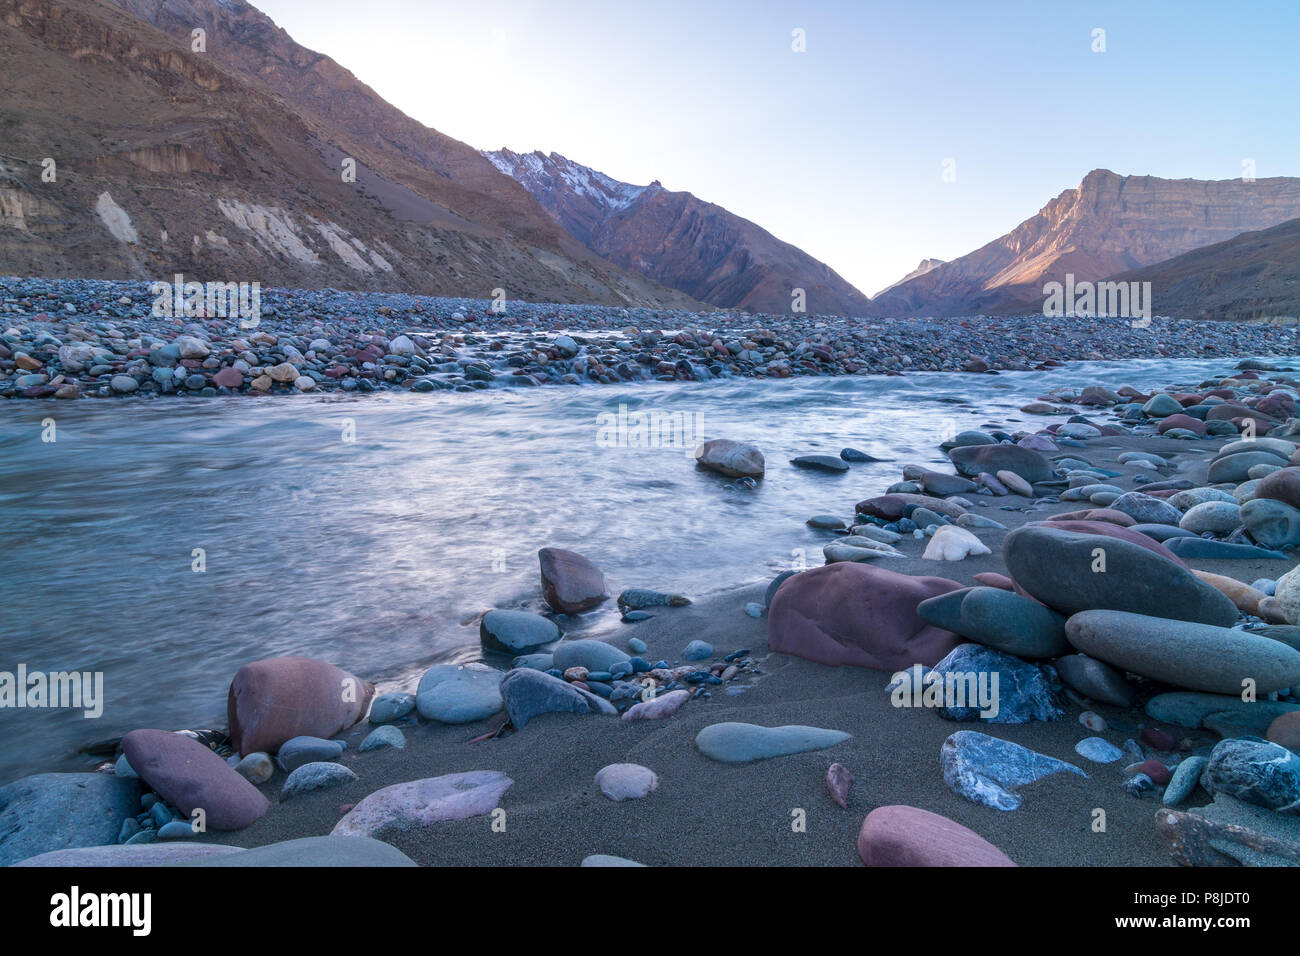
(672, 237)
(1109, 224)
(1255, 275)
(171, 160)
(926, 265)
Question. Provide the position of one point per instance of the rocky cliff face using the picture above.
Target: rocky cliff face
(927, 265)
(676, 239)
(1108, 225)
(227, 165)
(1253, 276)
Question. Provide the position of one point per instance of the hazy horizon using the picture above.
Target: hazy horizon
(841, 149)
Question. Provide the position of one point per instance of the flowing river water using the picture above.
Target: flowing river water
(370, 531)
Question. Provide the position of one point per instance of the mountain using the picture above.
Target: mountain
(927, 265)
(683, 242)
(1108, 225)
(227, 164)
(1255, 275)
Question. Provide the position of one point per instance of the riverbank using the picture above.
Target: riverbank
(71, 339)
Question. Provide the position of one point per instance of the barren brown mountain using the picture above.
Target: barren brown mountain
(672, 237)
(1108, 225)
(227, 163)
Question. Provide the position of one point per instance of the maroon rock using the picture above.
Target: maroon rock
(1276, 405)
(228, 378)
(273, 700)
(1115, 531)
(1097, 514)
(839, 780)
(1160, 739)
(570, 583)
(859, 614)
(908, 836)
(994, 580)
(1285, 730)
(189, 776)
(1281, 485)
(1182, 421)
(1157, 771)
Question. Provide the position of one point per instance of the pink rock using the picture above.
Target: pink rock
(273, 700)
(1157, 771)
(1283, 485)
(908, 836)
(838, 781)
(570, 583)
(189, 776)
(626, 781)
(1182, 421)
(228, 378)
(1038, 443)
(419, 803)
(851, 613)
(659, 707)
(994, 580)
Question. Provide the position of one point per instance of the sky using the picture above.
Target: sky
(902, 131)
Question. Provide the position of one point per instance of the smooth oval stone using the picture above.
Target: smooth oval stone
(1029, 465)
(275, 699)
(386, 708)
(316, 776)
(1161, 532)
(1162, 405)
(538, 662)
(1184, 500)
(593, 655)
(1186, 777)
(1186, 709)
(1212, 517)
(1283, 485)
(571, 584)
(908, 836)
(1098, 750)
(1233, 468)
(256, 768)
(300, 750)
(516, 632)
(820, 463)
(189, 776)
(825, 522)
(731, 458)
(941, 485)
(1095, 679)
(459, 694)
(1056, 566)
(529, 693)
(1206, 549)
(1256, 772)
(1146, 509)
(1000, 619)
(1285, 730)
(742, 743)
(320, 851)
(420, 803)
(1196, 656)
(1273, 524)
(626, 781)
(697, 651)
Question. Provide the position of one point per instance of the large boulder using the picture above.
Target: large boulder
(459, 693)
(191, 777)
(731, 458)
(528, 693)
(1196, 656)
(516, 632)
(58, 811)
(1132, 534)
(1074, 572)
(908, 836)
(1255, 771)
(1029, 465)
(570, 583)
(279, 698)
(858, 614)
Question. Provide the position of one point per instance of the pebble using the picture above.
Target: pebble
(743, 743)
(316, 776)
(626, 781)
(382, 737)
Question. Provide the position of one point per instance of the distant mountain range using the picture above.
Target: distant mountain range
(672, 237)
(1110, 224)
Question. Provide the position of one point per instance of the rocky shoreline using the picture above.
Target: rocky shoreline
(68, 339)
(788, 724)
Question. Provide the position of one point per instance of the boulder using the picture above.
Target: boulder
(59, 811)
(570, 583)
(731, 458)
(191, 777)
(970, 460)
(459, 694)
(516, 632)
(273, 700)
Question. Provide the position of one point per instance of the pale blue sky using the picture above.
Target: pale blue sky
(840, 149)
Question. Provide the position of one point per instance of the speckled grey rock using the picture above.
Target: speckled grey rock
(984, 769)
(57, 811)
(1255, 771)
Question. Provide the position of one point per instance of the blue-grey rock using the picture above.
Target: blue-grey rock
(123, 769)
(985, 770)
(820, 463)
(697, 651)
(172, 853)
(636, 646)
(1003, 620)
(316, 776)
(601, 859)
(1273, 524)
(538, 662)
(1255, 771)
(742, 743)
(176, 830)
(381, 738)
(516, 632)
(297, 751)
(1186, 709)
(459, 694)
(1196, 656)
(593, 655)
(386, 708)
(754, 609)
(1098, 750)
(1212, 517)
(1146, 509)
(1186, 777)
(315, 851)
(55, 811)
(1234, 468)
(529, 693)
(1020, 692)
(1205, 549)
(1162, 532)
